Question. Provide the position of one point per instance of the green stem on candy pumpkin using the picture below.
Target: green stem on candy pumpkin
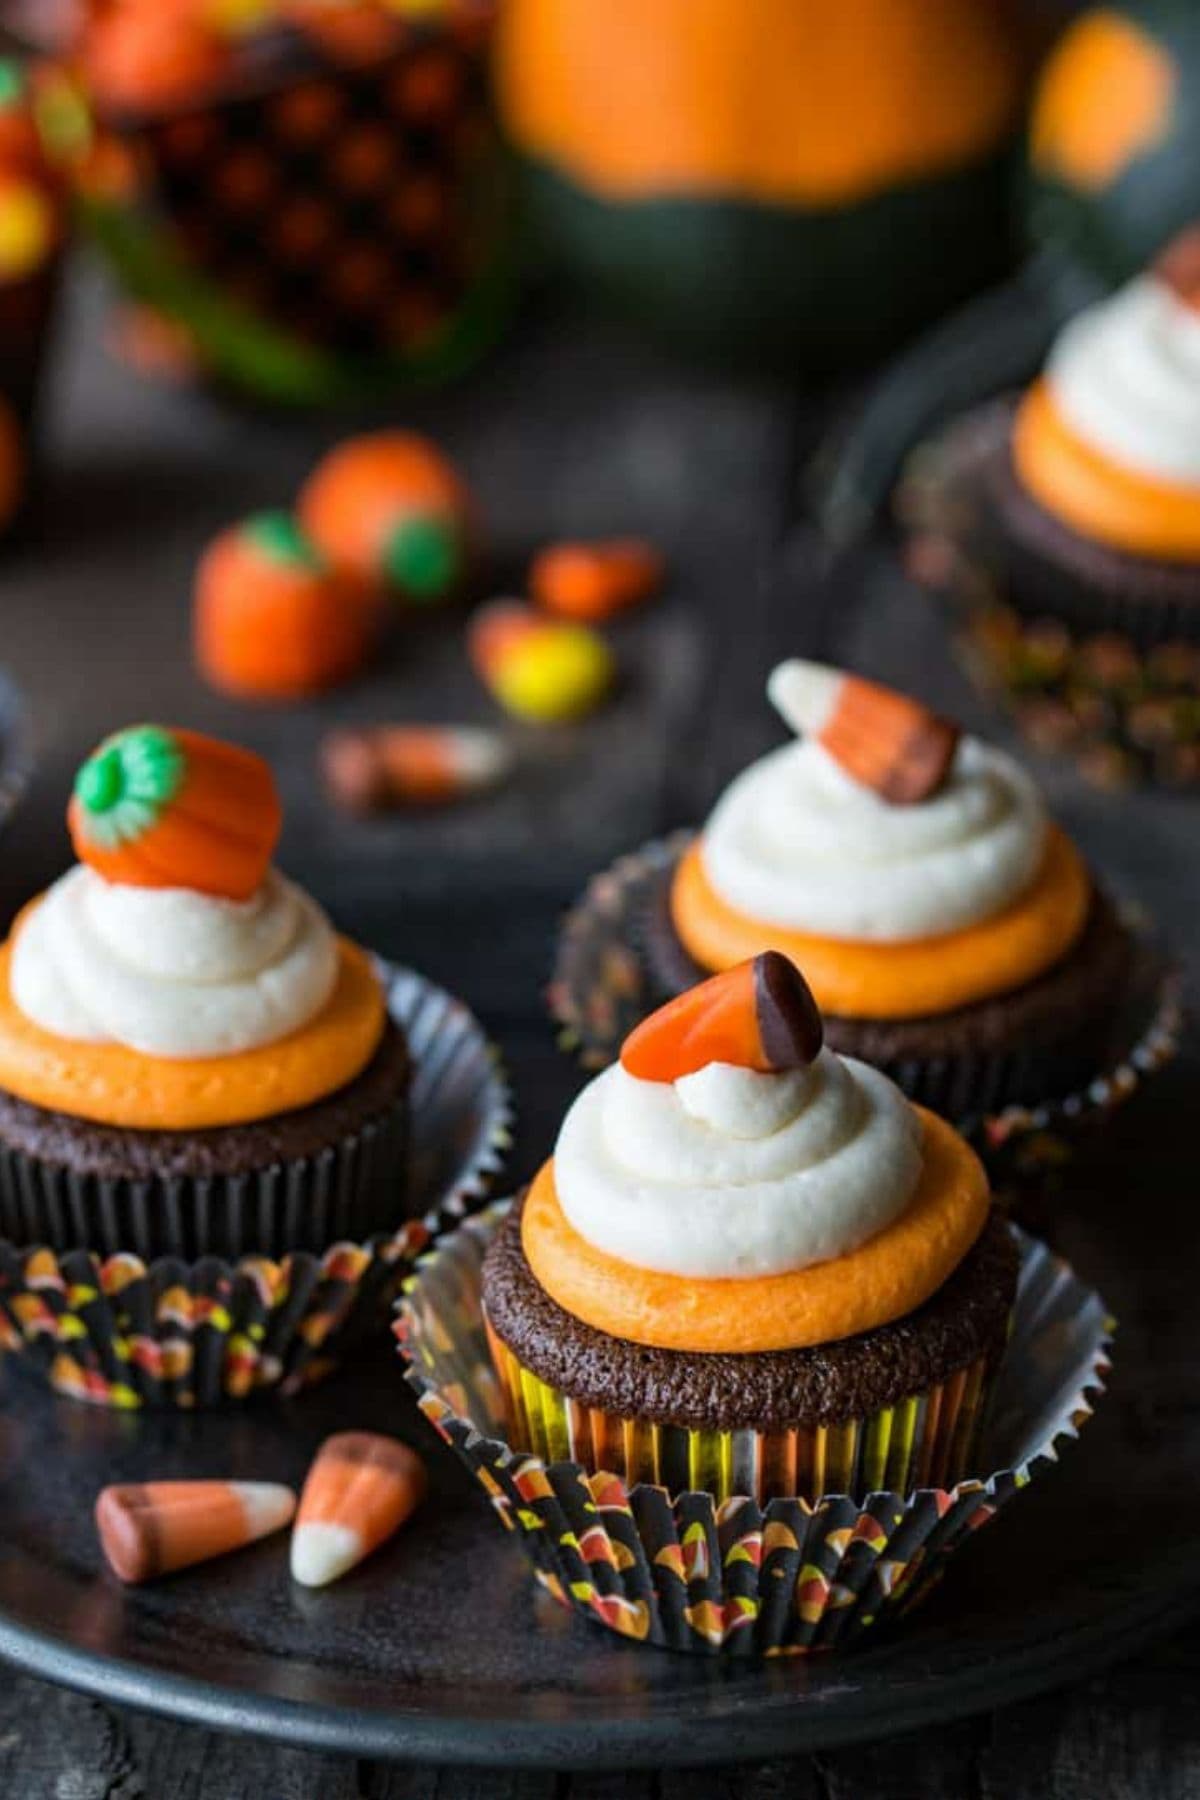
(125, 786)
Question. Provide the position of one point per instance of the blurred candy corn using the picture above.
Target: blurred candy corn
(272, 618)
(538, 669)
(391, 510)
(593, 582)
(360, 1490)
(412, 765)
(883, 739)
(155, 1527)
(760, 1015)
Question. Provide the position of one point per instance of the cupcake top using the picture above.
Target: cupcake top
(1109, 439)
(733, 1185)
(909, 868)
(173, 978)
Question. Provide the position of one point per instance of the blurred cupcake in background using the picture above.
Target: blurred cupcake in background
(1068, 524)
(32, 232)
(952, 933)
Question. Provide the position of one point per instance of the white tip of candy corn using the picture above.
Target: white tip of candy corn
(482, 758)
(268, 1505)
(804, 694)
(323, 1552)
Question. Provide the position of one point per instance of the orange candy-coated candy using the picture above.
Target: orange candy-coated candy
(153, 1528)
(159, 807)
(759, 1015)
(595, 581)
(151, 53)
(390, 509)
(361, 1489)
(272, 618)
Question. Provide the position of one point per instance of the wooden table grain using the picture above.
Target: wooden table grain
(572, 429)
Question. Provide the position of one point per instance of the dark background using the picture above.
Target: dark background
(574, 431)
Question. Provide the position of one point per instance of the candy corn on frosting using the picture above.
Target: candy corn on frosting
(911, 871)
(733, 1225)
(1108, 441)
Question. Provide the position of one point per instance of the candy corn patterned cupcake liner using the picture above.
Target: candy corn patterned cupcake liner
(1108, 678)
(721, 1572)
(126, 1331)
(604, 985)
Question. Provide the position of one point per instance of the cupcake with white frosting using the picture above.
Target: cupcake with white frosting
(952, 933)
(751, 1265)
(192, 1061)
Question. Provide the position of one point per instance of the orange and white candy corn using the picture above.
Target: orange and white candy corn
(595, 581)
(359, 1491)
(758, 1015)
(155, 1527)
(539, 669)
(885, 740)
(386, 766)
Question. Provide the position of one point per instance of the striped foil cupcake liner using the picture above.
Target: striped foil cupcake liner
(109, 1325)
(925, 1440)
(604, 984)
(1104, 673)
(715, 1570)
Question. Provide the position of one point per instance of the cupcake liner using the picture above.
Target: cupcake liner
(605, 983)
(1097, 657)
(924, 1440)
(692, 1572)
(126, 1330)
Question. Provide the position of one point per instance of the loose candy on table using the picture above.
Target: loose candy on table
(760, 1015)
(359, 1491)
(392, 510)
(885, 740)
(152, 1528)
(22, 147)
(273, 619)
(30, 225)
(595, 581)
(387, 766)
(539, 669)
(146, 54)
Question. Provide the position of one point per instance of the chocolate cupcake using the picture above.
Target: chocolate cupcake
(1068, 522)
(752, 1266)
(192, 1062)
(952, 933)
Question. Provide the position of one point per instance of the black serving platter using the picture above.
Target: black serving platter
(442, 1649)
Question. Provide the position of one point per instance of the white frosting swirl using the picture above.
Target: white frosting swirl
(728, 1173)
(171, 972)
(797, 843)
(1125, 375)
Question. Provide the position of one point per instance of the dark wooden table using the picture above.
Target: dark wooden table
(572, 430)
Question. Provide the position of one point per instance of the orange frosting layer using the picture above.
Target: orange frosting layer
(1101, 499)
(908, 980)
(114, 1086)
(885, 1278)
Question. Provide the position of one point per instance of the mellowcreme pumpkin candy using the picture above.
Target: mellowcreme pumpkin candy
(751, 1265)
(191, 1059)
(950, 930)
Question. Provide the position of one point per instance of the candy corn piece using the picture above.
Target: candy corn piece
(592, 582)
(152, 1528)
(539, 669)
(412, 765)
(359, 1491)
(1178, 266)
(883, 739)
(760, 1015)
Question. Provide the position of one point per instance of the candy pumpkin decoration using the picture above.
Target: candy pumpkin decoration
(391, 510)
(272, 618)
(166, 808)
(767, 176)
